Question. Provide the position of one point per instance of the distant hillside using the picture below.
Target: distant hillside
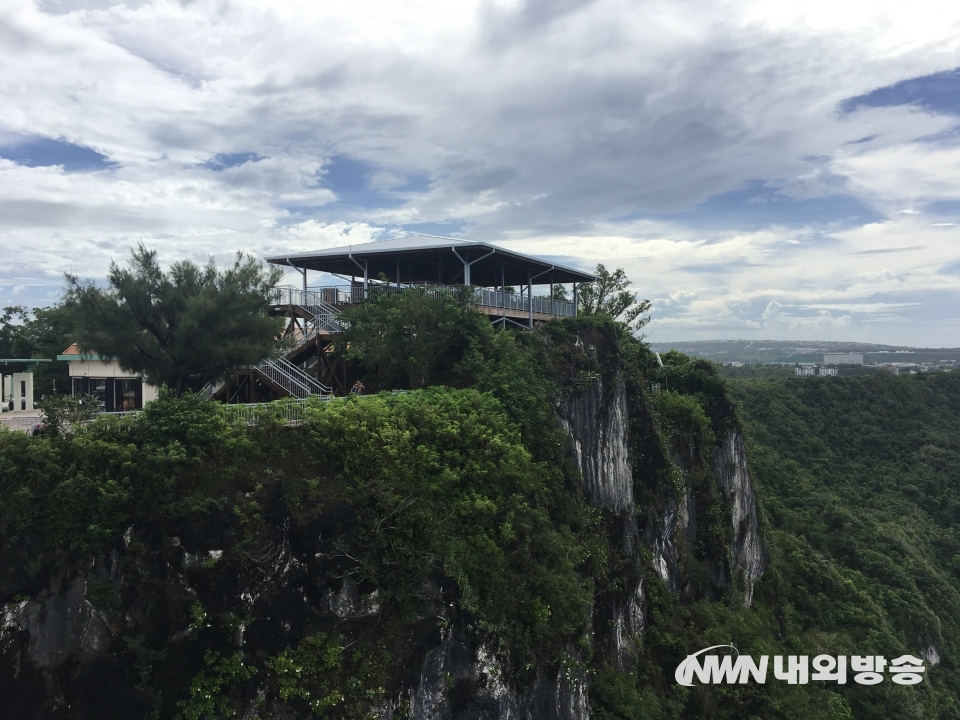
(858, 480)
(806, 351)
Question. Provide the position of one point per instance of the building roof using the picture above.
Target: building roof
(430, 258)
(73, 354)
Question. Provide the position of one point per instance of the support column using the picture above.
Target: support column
(366, 280)
(398, 272)
(503, 292)
(530, 297)
(575, 297)
(302, 271)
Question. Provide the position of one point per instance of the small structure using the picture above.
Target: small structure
(18, 389)
(503, 279)
(116, 389)
(849, 358)
(499, 284)
(813, 370)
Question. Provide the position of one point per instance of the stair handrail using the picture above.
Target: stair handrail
(277, 374)
(316, 387)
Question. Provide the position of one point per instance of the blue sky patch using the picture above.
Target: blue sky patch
(47, 152)
(944, 208)
(757, 206)
(938, 93)
(228, 160)
(352, 180)
(445, 228)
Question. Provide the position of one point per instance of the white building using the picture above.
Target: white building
(813, 370)
(843, 359)
(117, 389)
(18, 389)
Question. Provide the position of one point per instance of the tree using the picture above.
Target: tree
(63, 414)
(42, 333)
(182, 328)
(412, 338)
(608, 295)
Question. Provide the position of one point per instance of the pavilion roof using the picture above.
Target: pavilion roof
(429, 258)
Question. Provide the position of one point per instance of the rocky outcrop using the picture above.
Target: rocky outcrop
(60, 623)
(628, 620)
(457, 683)
(747, 557)
(597, 425)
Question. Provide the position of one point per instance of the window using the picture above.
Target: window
(98, 388)
(127, 395)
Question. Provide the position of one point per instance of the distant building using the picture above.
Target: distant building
(843, 359)
(116, 389)
(813, 370)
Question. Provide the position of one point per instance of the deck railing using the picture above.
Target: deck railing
(484, 297)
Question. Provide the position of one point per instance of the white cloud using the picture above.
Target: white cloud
(533, 123)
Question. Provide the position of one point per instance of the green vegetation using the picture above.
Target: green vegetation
(445, 494)
(213, 690)
(64, 414)
(443, 483)
(410, 339)
(608, 295)
(454, 506)
(43, 333)
(758, 370)
(332, 680)
(858, 479)
(182, 328)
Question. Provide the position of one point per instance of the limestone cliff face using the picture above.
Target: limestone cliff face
(60, 625)
(598, 429)
(460, 682)
(598, 422)
(747, 558)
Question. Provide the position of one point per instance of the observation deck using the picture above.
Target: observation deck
(436, 265)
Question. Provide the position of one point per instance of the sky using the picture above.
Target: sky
(782, 170)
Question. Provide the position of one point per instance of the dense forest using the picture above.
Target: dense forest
(858, 479)
(441, 552)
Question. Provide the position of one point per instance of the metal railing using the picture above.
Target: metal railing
(212, 388)
(319, 306)
(22, 424)
(291, 378)
(315, 386)
(353, 294)
(287, 412)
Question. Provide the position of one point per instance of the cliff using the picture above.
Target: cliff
(395, 557)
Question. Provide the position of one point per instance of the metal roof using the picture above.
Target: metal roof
(430, 258)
